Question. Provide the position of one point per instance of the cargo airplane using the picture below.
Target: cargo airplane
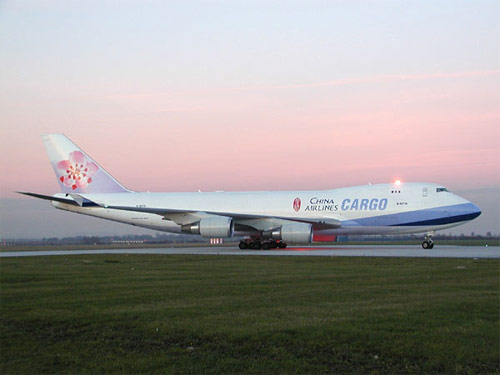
(263, 219)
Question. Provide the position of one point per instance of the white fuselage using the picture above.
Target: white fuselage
(370, 209)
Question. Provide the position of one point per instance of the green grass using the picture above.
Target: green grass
(209, 314)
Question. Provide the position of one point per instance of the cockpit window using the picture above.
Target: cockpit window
(439, 190)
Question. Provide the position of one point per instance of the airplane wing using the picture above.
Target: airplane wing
(183, 217)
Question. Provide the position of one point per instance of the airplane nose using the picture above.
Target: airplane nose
(474, 211)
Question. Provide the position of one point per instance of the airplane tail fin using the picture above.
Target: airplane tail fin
(76, 171)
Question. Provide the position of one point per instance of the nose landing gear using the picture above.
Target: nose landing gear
(428, 243)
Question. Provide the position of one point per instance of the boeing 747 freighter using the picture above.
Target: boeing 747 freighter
(264, 219)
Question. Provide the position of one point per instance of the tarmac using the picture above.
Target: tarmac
(414, 251)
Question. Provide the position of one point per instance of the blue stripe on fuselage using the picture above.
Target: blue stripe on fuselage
(429, 216)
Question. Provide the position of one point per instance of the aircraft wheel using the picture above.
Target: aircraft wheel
(257, 245)
(282, 245)
(266, 245)
(243, 245)
(427, 245)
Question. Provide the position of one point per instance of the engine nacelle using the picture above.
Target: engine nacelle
(211, 227)
(298, 233)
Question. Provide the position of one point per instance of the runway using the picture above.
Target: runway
(416, 251)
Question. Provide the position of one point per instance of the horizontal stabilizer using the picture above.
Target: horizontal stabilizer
(50, 198)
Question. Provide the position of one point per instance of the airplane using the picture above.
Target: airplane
(264, 219)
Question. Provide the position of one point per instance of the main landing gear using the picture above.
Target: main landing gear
(428, 243)
(257, 244)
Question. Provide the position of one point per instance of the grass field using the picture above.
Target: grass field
(219, 315)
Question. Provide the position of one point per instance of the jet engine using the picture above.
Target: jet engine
(211, 227)
(298, 233)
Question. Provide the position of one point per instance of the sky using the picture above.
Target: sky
(249, 95)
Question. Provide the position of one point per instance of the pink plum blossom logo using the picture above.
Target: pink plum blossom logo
(77, 171)
(296, 204)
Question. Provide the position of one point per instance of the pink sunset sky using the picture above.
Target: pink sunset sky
(260, 95)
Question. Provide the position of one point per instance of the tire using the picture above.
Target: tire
(257, 245)
(431, 245)
(266, 246)
(243, 245)
(426, 245)
(282, 245)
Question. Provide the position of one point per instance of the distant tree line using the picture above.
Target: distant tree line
(162, 238)
(105, 240)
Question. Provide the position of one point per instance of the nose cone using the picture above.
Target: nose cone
(474, 211)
